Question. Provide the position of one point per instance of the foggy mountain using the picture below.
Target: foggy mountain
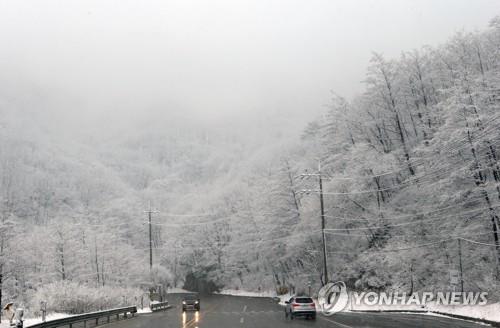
(409, 164)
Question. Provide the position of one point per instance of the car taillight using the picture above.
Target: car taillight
(313, 305)
(295, 304)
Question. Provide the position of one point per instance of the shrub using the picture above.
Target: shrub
(75, 298)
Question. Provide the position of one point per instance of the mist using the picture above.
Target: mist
(256, 147)
(211, 62)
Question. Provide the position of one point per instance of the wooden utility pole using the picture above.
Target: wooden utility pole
(150, 212)
(460, 263)
(325, 266)
(322, 209)
(150, 242)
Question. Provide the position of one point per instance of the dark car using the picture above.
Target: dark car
(302, 306)
(191, 302)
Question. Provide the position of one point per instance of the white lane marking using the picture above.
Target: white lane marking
(242, 320)
(335, 322)
(244, 308)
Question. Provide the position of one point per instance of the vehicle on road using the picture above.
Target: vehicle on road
(191, 302)
(300, 306)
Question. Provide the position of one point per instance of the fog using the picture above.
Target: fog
(211, 61)
(200, 145)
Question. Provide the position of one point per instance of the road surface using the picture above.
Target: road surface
(219, 311)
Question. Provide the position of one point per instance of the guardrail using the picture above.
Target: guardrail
(94, 316)
(159, 306)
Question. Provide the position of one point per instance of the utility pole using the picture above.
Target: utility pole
(150, 212)
(460, 262)
(322, 208)
(325, 266)
(150, 242)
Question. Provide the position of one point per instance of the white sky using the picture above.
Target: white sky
(216, 58)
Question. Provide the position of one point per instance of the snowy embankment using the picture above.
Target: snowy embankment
(177, 291)
(489, 312)
(32, 321)
(147, 309)
(239, 292)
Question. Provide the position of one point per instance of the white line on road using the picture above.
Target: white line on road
(242, 320)
(244, 308)
(335, 322)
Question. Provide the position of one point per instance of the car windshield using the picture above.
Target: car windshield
(303, 300)
(191, 297)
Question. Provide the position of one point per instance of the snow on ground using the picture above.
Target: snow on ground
(239, 292)
(145, 310)
(177, 290)
(31, 321)
(488, 312)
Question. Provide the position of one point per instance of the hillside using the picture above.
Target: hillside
(409, 167)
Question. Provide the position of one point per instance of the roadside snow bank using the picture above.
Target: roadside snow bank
(145, 310)
(267, 293)
(32, 321)
(54, 316)
(239, 292)
(177, 290)
(489, 312)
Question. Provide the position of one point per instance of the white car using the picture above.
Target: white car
(300, 306)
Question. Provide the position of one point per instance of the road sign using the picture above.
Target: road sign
(454, 277)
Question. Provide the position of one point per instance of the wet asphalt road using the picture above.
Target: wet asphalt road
(219, 311)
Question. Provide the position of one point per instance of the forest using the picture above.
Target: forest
(411, 187)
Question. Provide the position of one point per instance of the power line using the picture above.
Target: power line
(188, 215)
(412, 223)
(477, 242)
(398, 249)
(220, 219)
(416, 246)
(194, 223)
(405, 216)
(417, 179)
(463, 144)
(244, 244)
(239, 244)
(390, 236)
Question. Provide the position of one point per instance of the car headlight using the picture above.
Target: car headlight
(196, 302)
(184, 302)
